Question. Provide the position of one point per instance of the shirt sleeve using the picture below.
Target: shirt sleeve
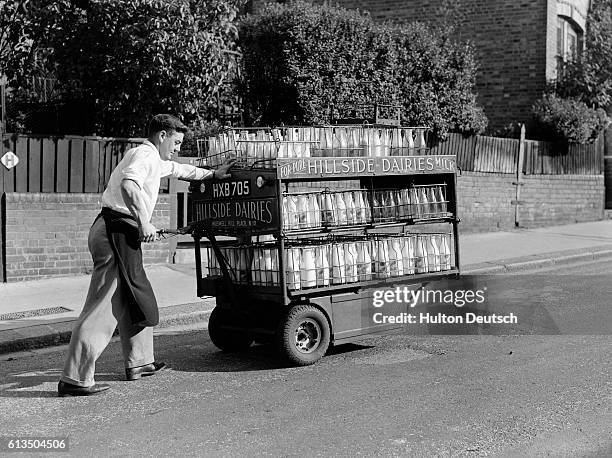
(184, 171)
(139, 168)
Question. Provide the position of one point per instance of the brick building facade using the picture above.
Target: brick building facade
(518, 43)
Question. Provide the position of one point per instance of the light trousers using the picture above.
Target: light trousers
(104, 309)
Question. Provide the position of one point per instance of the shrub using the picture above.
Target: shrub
(301, 59)
(568, 120)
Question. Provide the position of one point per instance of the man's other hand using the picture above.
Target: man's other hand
(148, 232)
(222, 172)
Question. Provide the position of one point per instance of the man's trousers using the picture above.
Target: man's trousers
(104, 308)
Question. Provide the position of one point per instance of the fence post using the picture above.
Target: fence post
(519, 178)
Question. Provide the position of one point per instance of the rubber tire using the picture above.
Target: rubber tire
(285, 335)
(225, 339)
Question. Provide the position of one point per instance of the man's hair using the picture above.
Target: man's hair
(165, 122)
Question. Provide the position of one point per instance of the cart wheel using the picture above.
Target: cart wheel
(304, 335)
(228, 340)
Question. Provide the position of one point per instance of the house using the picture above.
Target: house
(519, 43)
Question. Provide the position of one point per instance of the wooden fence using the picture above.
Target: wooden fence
(84, 164)
(501, 155)
(62, 164)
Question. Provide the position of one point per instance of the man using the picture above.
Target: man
(119, 292)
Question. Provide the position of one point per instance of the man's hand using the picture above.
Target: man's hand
(148, 232)
(222, 172)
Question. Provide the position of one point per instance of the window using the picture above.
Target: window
(569, 40)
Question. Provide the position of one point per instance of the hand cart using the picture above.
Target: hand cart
(362, 211)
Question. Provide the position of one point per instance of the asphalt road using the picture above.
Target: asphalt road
(544, 389)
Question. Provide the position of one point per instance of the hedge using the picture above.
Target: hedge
(301, 59)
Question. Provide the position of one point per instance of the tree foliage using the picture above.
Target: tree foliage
(119, 61)
(15, 44)
(590, 78)
(300, 59)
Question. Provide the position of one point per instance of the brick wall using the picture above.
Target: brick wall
(46, 234)
(485, 200)
(515, 43)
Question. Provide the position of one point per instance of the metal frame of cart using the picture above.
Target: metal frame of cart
(306, 321)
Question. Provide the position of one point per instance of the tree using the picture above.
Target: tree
(590, 78)
(14, 42)
(119, 61)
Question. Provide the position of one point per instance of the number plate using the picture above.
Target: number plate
(221, 189)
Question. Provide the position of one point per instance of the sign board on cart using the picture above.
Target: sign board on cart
(346, 167)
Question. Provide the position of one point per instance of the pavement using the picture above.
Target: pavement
(41, 313)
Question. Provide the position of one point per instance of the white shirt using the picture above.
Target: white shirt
(144, 166)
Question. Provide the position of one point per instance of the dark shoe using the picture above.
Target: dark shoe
(68, 389)
(134, 373)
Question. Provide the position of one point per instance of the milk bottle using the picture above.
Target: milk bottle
(275, 267)
(296, 275)
(243, 268)
(420, 256)
(364, 261)
(340, 209)
(322, 264)
(393, 258)
(343, 142)
(386, 142)
(286, 213)
(408, 254)
(408, 142)
(328, 210)
(415, 199)
(294, 222)
(377, 143)
(377, 207)
(303, 211)
(397, 247)
(367, 142)
(420, 140)
(366, 202)
(338, 267)
(308, 268)
(441, 199)
(315, 211)
(336, 146)
(350, 263)
(396, 142)
(357, 142)
(447, 252)
(434, 206)
(307, 145)
(360, 210)
(268, 267)
(293, 281)
(382, 259)
(425, 208)
(433, 254)
(350, 208)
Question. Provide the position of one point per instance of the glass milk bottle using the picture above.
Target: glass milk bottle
(396, 142)
(397, 247)
(408, 254)
(420, 256)
(425, 208)
(393, 258)
(367, 142)
(447, 251)
(293, 280)
(377, 143)
(349, 263)
(382, 259)
(297, 262)
(420, 141)
(323, 145)
(441, 199)
(286, 213)
(360, 211)
(366, 202)
(377, 206)
(357, 142)
(308, 268)
(294, 222)
(434, 206)
(303, 211)
(433, 254)
(340, 209)
(364, 261)
(337, 265)
(415, 203)
(408, 142)
(315, 210)
(328, 209)
(350, 207)
(336, 146)
(343, 141)
(322, 263)
(257, 265)
(307, 140)
(243, 268)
